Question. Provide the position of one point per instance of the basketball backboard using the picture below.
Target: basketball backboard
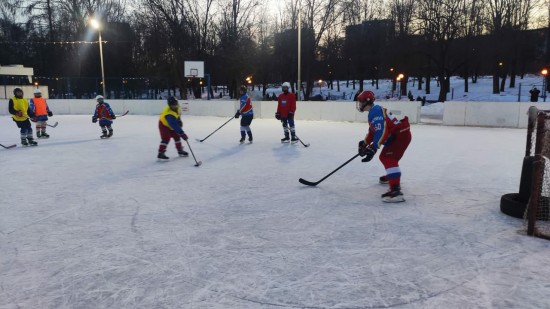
(194, 69)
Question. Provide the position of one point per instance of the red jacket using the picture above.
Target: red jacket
(286, 104)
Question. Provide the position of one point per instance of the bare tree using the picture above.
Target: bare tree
(441, 22)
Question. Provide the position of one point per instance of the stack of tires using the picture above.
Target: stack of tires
(514, 204)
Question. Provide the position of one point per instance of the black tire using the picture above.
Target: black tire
(511, 205)
(526, 179)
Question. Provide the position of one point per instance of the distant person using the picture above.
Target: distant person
(41, 112)
(170, 126)
(410, 96)
(385, 130)
(286, 107)
(20, 111)
(105, 114)
(273, 97)
(534, 94)
(245, 109)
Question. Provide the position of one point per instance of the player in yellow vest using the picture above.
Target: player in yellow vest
(41, 112)
(19, 109)
(170, 127)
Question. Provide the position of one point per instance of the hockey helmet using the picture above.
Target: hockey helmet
(363, 99)
(37, 91)
(16, 90)
(243, 88)
(286, 84)
(99, 97)
(172, 101)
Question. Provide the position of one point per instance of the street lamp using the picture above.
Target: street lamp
(544, 73)
(399, 78)
(320, 84)
(96, 25)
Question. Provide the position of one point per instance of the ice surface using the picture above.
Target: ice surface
(90, 223)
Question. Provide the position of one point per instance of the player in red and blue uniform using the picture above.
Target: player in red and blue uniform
(247, 113)
(388, 131)
(105, 114)
(286, 107)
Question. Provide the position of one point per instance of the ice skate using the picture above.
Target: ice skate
(162, 156)
(286, 139)
(241, 140)
(183, 153)
(24, 142)
(38, 134)
(104, 135)
(383, 180)
(32, 142)
(45, 135)
(394, 195)
(294, 140)
(110, 133)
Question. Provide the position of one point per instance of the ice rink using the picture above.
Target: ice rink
(91, 223)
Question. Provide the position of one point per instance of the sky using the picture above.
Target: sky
(91, 223)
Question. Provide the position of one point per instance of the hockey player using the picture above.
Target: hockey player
(286, 106)
(41, 112)
(247, 113)
(105, 114)
(19, 109)
(170, 126)
(385, 129)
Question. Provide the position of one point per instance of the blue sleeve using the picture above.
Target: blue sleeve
(31, 105)
(173, 122)
(377, 122)
(242, 103)
(95, 111)
(109, 108)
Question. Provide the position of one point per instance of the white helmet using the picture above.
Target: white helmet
(36, 91)
(99, 97)
(286, 84)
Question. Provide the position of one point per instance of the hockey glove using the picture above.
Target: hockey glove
(369, 153)
(184, 136)
(237, 114)
(50, 114)
(113, 116)
(94, 119)
(19, 113)
(278, 116)
(180, 123)
(362, 148)
(33, 119)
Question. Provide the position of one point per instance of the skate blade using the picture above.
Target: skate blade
(397, 199)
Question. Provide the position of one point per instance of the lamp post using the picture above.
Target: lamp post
(544, 73)
(320, 84)
(399, 78)
(96, 25)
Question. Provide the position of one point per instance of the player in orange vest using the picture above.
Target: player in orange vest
(41, 112)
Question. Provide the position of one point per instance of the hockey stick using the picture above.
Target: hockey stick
(52, 125)
(309, 183)
(197, 163)
(123, 114)
(305, 145)
(202, 140)
(8, 147)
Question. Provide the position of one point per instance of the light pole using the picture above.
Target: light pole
(96, 25)
(399, 78)
(544, 73)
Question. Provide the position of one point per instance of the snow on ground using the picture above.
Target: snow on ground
(90, 223)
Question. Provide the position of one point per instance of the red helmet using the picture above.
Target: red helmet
(366, 96)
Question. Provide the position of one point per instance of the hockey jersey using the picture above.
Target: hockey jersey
(245, 105)
(286, 104)
(382, 125)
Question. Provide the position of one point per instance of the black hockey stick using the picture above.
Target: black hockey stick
(305, 145)
(123, 114)
(309, 183)
(202, 140)
(8, 147)
(52, 125)
(197, 163)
